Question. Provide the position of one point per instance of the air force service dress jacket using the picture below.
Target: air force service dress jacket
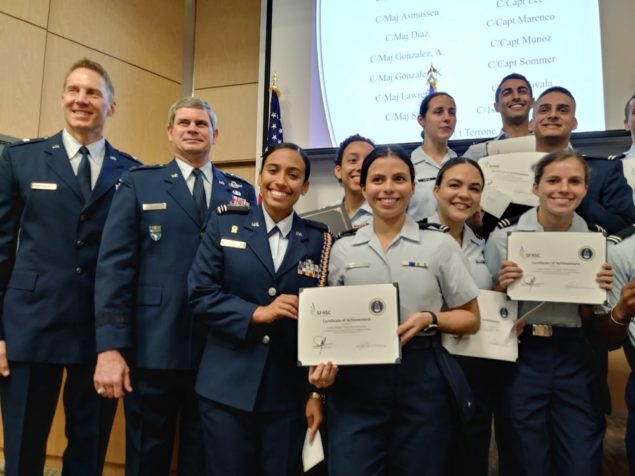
(49, 239)
(253, 367)
(150, 240)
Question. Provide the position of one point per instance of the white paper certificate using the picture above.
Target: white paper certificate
(349, 325)
(512, 175)
(557, 266)
(494, 340)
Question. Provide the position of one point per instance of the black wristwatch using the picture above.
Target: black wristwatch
(433, 326)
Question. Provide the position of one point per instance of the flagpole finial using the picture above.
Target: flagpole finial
(274, 84)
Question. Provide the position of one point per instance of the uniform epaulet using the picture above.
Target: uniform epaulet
(146, 167)
(316, 224)
(616, 156)
(128, 156)
(350, 232)
(424, 225)
(27, 141)
(596, 228)
(622, 234)
(505, 222)
(482, 141)
(596, 157)
(226, 208)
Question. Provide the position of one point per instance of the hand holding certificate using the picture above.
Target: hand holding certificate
(557, 266)
(349, 325)
(495, 339)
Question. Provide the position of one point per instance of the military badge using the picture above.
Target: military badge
(155, 232)
(238, 201)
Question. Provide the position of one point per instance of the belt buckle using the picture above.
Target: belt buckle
(542, 330)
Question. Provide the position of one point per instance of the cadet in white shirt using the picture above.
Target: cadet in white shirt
(554, 389)
(437, 117)
(397, 419)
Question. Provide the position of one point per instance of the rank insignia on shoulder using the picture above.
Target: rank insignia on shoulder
(232, 208)
(622, 234)
(505, 222)
(425, 225)
(155, 232)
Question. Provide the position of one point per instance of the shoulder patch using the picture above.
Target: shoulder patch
(505, 222)
(622, 234)
(424, 225)
(225, 208)
(146, 167)
(316, 224)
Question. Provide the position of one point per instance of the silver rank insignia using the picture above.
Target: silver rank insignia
(308, 268)
(155, 232)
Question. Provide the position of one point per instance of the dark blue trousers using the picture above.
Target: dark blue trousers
(390, 419)
(555, 408)
(29, 398)
(241, 443)
(159, 399)
(487, 378)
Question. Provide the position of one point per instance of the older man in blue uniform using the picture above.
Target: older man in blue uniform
(54, 197)
(148, 342)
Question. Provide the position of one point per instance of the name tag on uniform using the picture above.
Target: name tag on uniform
(149, 207)
(357, 265)
(43, 186)
(233, 243)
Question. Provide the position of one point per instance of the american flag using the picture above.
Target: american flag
(274, 133)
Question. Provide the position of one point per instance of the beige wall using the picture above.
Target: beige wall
(139, 42)
(226, 75)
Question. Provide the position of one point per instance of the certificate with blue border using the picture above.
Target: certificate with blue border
(349, 325)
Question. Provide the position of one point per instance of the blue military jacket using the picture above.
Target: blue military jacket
(150, 239)
(248, 366)
(49, 239)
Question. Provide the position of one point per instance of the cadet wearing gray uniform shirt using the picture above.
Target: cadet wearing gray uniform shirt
(380, 416)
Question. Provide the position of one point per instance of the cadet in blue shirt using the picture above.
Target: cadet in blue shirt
(553, 400)
(397, 419)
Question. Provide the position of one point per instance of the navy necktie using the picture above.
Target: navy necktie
(83, 173)
(199, 194)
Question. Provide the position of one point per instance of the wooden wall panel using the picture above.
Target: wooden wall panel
(246, 170)
(143, 100)
(227, 42)
(22, 50)
(148, 34)
(32, 11)
(236, 108)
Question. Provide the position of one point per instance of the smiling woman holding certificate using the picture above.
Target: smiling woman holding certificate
(553, 400)
(396, 419)
(458, 189)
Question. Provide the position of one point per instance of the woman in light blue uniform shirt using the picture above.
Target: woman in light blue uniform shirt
(457, 189)
(553, 400)
(397, 419)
